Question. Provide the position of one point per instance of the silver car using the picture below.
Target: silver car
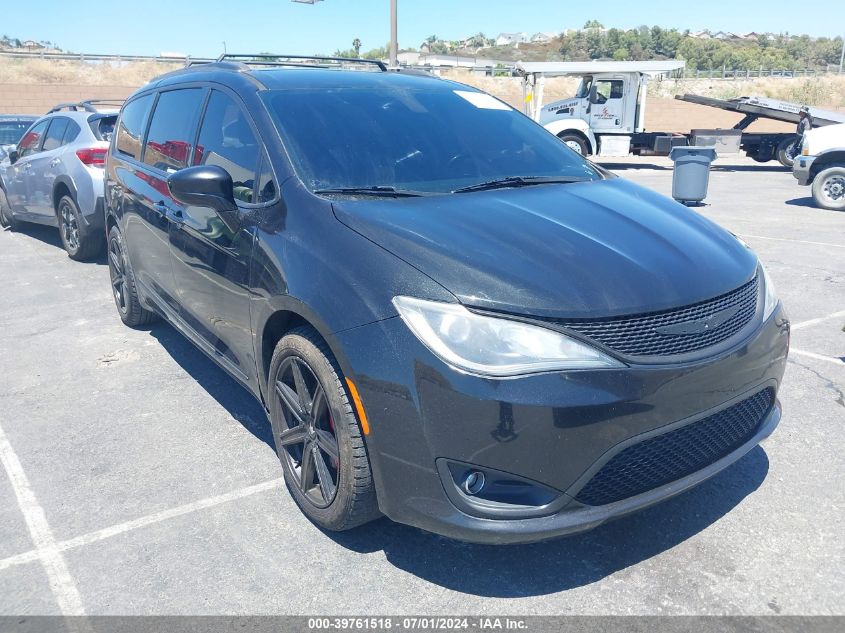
(55, 176)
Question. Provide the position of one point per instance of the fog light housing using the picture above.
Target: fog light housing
(493, 494)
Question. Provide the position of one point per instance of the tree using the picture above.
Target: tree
(593, 24)
(356, 46)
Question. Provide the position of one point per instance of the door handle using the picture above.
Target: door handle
(175, 216)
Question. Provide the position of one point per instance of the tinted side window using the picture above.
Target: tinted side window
(55, 133)
(72, 132)
(130, 131)
(173, 128)
(32, 139)
(226, 139)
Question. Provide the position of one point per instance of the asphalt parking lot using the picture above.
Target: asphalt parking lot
(139, 479)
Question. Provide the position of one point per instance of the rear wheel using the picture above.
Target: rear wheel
(317, 436)
(123, 285)
(79, 245)
(574, 142)
(787, 151)
(6, 217)
(829, 189)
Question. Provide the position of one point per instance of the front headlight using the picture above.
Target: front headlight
(771, 299)
(493, 346)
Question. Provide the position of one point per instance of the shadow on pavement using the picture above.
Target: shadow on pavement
(514, 571)
(626, 166)
(229, 393)
(50, 235)
(802, 202)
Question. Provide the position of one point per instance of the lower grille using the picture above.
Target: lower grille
(664, 458)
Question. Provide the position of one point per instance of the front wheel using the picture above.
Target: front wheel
(317, 436)
(575, 143)
(829, 189)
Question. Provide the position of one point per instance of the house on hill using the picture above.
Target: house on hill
(511, 39)
(542, 38)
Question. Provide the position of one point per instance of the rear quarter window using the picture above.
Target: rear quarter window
(103, 127)
(130, 129)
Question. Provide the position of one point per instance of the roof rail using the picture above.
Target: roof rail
(88, 105)
(268, 59)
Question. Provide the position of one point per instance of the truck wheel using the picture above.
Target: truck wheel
(829, 189)
(574, 142)
(787, 151)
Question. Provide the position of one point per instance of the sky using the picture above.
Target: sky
(199, 27)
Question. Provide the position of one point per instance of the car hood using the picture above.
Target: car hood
(591, 249)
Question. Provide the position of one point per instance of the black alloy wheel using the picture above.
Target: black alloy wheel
(309, 443)
(117, 272)
(318, 437)
(126, 298)
(69, 226)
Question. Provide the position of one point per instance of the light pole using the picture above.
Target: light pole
(394, 37)
(394, 30)
(842, 56)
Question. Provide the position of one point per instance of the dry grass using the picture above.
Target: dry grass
(822, 91)
(826, 91)
(819, 91)
(38, 71)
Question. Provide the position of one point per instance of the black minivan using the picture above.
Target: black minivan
(451, 318)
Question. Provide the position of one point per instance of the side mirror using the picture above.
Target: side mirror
(13, 156)
(206, 186)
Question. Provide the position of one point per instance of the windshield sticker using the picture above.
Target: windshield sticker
(483, 101)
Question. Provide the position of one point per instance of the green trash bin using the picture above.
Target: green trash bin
(692, 172)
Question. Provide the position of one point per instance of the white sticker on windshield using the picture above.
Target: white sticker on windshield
(481, 100)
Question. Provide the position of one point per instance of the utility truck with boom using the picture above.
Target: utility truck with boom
(607, 115)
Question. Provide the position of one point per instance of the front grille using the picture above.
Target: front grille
(640, 335)
(668, 457)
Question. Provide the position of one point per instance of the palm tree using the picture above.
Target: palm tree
(356, 46)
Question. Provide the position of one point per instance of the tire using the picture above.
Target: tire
(6, 217)
(337, 491)
(80, 246)
(575, 143)
(829, 189)
(786, 151)
(123, 285)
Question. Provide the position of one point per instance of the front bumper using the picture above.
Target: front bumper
(801, 169)
(552, 429)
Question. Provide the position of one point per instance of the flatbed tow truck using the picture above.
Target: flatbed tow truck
(607, 114)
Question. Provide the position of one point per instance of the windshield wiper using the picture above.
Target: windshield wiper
(376, 190)
(521, 181)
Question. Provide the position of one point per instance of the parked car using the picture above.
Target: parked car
(54, 176)
(822, 165)
(12, 128)
(451, 318)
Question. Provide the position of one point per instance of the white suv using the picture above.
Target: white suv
(822, 164)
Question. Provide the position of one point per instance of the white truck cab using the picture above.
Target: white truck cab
(605, 103)
(608, 108)
(822, 164)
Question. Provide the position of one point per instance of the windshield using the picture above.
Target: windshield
(12, 131)
(433, 140)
